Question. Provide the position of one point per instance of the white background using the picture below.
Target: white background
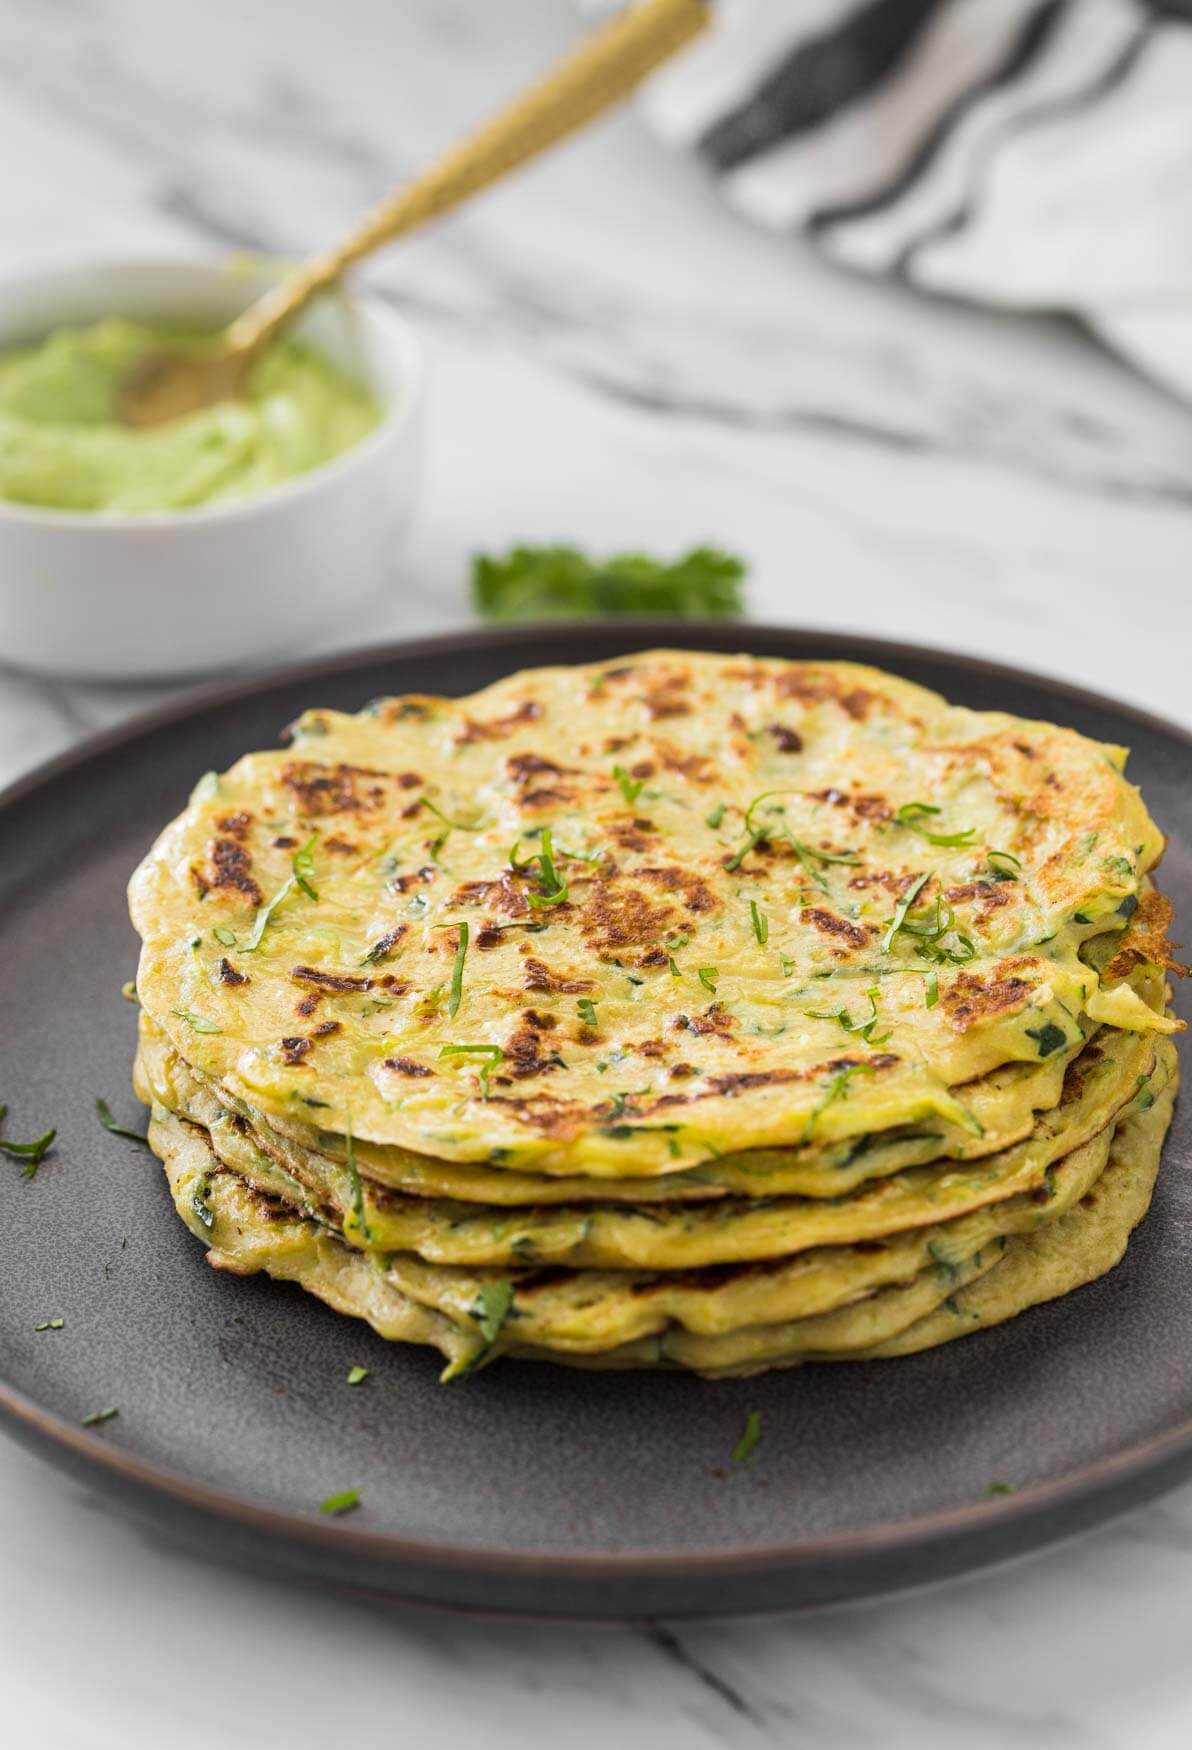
(616, 361)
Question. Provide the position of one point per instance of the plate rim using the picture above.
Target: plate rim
(1095, 1487)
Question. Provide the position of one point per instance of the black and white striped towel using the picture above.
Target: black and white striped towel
(1035, 154)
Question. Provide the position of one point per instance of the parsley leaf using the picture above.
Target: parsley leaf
(564, 583)
(587, 1011)
(898, 921)
(341, 1503)
(492, 1307)
(631, 788)
(303, 865)
(198, 1022)
(109, 1123)
(912, 816)
(492, 1055)
(743, 1450)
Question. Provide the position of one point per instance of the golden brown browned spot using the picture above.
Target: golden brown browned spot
(527, 768)
(861, 806)
(1077, 1071)
(406, 1066)
(284, 843)
(319, 790)
(499, 728)
(336, 981)
(235, 825)
(326, 1027)
(547, 797)
(340, 847)
(540, 977)
(384, 945)
(828, 924)
(889, 880)
(814, 686)
(546, 1113)
(786, 740)
(309, 1003)
(617, 915)
(503, 895)
(990, 894)
(696, 894)
(653, 1048)
(230, 866)
(226, 973)
(293, 1050)
(524, 1056)
(715, 1019)
(1145, 939)
(969, 999)
(664, 695)
(698, 768)
(417, 706)
(633, 835)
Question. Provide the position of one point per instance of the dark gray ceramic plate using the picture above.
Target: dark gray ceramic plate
(528, 1488)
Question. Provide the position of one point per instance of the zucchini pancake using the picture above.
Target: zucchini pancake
(686, 1011)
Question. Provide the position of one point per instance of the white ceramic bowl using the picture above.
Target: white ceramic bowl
(218, 586)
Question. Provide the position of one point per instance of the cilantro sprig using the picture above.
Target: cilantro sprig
(564, 583)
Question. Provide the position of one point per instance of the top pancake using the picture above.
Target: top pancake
(739, 853)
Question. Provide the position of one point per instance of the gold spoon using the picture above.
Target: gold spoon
(605, 68)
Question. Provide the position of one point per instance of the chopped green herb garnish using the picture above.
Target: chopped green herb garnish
(32, 1153)
(709, 977)
(631, 788)
(898, 921)
(109, 1123)
(455, 825)
(912, 815)
(717, 815)
(357, 1188)
(587, 1011)
(564, 583)
(998, 1488)
(1048, 1038)
(931, 994)
(787, 964)
(356, 1374)
(492, 1054)
(743, 1450)
(96, 1417)
(803, 851)
(50, 1325)
(225, 936)
(303, 865)
(863, 1027)
(836, 1089)
(341, 1503)
(493, 1305)
(1004, 865)
(261, 921)
(761, 923)
(457, 972)
(198, 1022)
(753, 838)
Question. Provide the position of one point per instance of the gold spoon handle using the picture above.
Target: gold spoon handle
(599, 73)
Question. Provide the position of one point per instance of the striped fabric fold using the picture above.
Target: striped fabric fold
(1025, 153)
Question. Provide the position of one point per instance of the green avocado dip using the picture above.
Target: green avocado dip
(62, 445)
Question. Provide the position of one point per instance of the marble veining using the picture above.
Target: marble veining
(616, 360)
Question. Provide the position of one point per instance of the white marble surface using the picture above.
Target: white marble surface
(615, 361)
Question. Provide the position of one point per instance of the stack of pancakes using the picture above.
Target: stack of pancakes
(690, 1011)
